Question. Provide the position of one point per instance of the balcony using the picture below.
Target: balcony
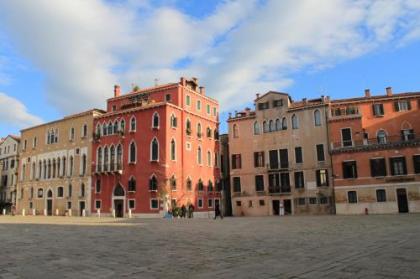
(389, 142)
(279, 190)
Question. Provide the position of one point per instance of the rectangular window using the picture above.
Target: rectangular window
(208, 109)
(98, 204)
(250, 204)
(200, 203)
(154, 204)
(398, 166)
(312, 200)
(285, 182)
(352, 196)
(299, 180)
(378, 109)
(402, 105)
(198, 105)
(284, 159)
(274, 183)
(298, 155)
(210, 203)
(321, 178)
(320, 152)
(416, 163)
(214, 112)
(259, 183)
(346, 137)
(68, 205)
(237, 184)
(301, 201)
(259, 159)
(168, 97)
(323, 200)
(349, 169)
(132, 203)
(262, 202)
(377, 167)
(380, 195)
(274, 159)
(238, 203)
(263, 106)
(277, 103)
(407, 134)
(236, 161)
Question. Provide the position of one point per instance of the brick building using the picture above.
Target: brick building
(375, 149)
(156, 149)
(279, 157)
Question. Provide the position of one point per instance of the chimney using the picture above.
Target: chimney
(367, 93)
(117, 90)
(258, 95)
(389, 91)
(304, 100)
(183, 81)
(202, 90)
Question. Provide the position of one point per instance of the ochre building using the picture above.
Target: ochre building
(279, 159)
(55, 167)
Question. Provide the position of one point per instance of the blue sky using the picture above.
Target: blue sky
(66, 56)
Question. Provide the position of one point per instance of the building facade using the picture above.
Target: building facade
(279, 157)
(9, 160)
(55, 167)
(155, 150)
(375, 149)
(225, 175)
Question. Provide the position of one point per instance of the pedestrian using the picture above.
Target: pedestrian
(190, 211)
(183, 211)
(217, 212)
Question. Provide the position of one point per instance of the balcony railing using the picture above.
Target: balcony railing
(279, 189)
(384, 142)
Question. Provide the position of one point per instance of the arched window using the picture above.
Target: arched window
(216, 134)
(381, 136)
(45, 169)
(99, 159)
(265, 127)
(98, 186)
(209, 158)
(278, 125)
(60, 192)
(189, 184)
(84, 164)
(133, 151)
(64, 166)
(115, 128)
(317, 117)
(295, 122)
(59, 167)
(40, 169)
(154, 150)
(271, 126)
(49, 169)
(256, 128)
(188, 127)
(199, 134)
(33, 171)
(71, 165)
(85, 130)
(32, 192)
(112, 153)
(133, 124)
(235, 131)
(53, 168)
(82, 190)
(284, 123)
(200, 185)
(153, 183)
(173, 150)
(210, 186)
(199, 156)
(106, 158)
(209, 133)
(98, 130)
(132, 184)
(122, 126)
(173, 183)
(109, 128)
(155, 120)
(174, 123)
(119, 191)
(104, 130)
(119, 157)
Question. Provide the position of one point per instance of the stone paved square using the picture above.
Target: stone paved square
(381, 246)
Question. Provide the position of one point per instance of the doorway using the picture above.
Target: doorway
(82, 206)
(402, 200)
(119, 208)
(276, 207)
(49, 203)
(287, 207)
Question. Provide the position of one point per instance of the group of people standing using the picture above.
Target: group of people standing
(188, 212)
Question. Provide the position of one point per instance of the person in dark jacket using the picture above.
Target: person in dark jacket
(183, 211)
(217, 212)
(190, 211)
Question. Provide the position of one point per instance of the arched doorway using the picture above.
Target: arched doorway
(50, 203)
(118, 201)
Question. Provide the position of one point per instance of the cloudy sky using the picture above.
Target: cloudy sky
(60, 57)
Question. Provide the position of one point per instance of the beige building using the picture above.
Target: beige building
(55, 169)
(279, 157)
(9, 158)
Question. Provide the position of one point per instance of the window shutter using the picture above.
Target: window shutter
(396, 107)
(318, 178)
(327, 179)
(382, 109)
(373, 109)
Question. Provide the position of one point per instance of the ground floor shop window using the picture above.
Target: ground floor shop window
(380, 195)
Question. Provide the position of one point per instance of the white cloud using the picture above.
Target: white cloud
(13, 112)
(241, 48)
